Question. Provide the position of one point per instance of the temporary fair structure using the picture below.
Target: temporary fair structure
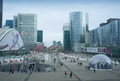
(99, 62)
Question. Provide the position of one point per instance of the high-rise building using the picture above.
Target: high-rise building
(78, 27)
(66, 37)
(9, 23)
(26, 24)
(1, 11)
(39, 36)
(107, 34)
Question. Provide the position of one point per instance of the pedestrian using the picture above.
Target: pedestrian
(30, 68)
(70, 74)
(115, 63)
(10, 70)
(18, 68)
(54, 69)
(94, 70)
(81, 63)
(78, 63)
(65, 72)
(38, 69)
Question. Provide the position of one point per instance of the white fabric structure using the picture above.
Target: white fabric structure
(10, 39)
(100, 61)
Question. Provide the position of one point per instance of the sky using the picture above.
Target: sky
(53, 14)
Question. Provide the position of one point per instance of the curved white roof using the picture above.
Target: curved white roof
(10, 39)
(100, 58)
(3, 30)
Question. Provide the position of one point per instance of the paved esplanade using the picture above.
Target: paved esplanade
(79, 74)
(88, 75)
(38, 76)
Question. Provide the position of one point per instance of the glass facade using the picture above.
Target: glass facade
(9, 23)
(107, 35)
(1, 11)
(26, 24)
(39, 36)
(67, 40)
(66, 37)
(78, 26)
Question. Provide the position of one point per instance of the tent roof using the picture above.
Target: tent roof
(100, 58)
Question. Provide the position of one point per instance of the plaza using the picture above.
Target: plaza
(80, 73)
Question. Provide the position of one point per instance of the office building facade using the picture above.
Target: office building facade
(78, 25)
(9, 23)
(39, 36)
(1, 12)
(66, 37)
(106, 35)
(26, 24)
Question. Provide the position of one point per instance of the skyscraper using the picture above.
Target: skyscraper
(26, 24)
(9, 23)
(39, 36)
(107, 34)
(78, 23)
(66, 37)
(1, 11)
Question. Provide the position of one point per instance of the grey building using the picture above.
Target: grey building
(66, 37)
(1, 12)
(78, 26)
(26, 24)
(39, 36)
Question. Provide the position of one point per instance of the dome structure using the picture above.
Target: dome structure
(100, 61)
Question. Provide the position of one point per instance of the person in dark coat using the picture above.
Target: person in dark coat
(70, 74)
(65, 72)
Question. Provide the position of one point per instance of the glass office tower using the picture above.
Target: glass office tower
(26, 24)
(9, 23)
(78, 28)
(39, 36)
(107, 34)
(66, 37)
(1, 11)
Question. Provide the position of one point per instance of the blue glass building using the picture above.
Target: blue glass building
(66, 37)
(78, 27)
(107, 35)
(1, 11)
(9, 23)
(39, 36)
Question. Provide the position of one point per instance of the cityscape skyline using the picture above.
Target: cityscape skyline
(52, 15)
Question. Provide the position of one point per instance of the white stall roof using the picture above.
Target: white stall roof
(100, 58)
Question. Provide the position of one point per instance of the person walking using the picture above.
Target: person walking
(30, 68)
(70, 74)
(78, 63)
(65, 72)
(18, 68)
(94, 70)
(11, 70)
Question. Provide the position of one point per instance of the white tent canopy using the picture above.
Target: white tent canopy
(100, 61)
(100, 58)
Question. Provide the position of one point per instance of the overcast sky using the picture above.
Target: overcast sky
(52, 14)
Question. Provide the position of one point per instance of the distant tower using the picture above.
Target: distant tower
(1, 11)
(78, 23)
(39, 36)
(66, 37)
